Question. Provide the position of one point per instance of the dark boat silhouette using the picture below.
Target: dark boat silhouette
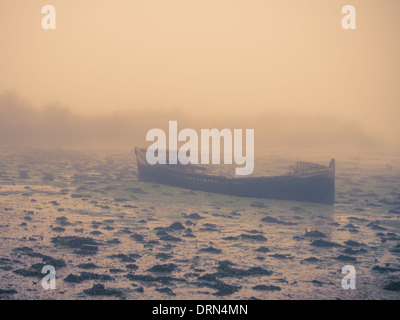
(305, 182)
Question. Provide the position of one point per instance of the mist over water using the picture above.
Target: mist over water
(285, 68)
(58, 126)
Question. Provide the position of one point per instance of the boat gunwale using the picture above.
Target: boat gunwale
(325, 171)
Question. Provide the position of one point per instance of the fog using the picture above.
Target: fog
(57, 126)
(111, 71)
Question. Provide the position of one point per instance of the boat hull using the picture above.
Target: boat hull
(316, 187)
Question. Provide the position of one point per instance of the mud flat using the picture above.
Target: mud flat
(109, 236)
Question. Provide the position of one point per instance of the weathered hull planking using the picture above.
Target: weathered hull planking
(308, 182)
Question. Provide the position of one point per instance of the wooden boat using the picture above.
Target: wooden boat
(305, 182)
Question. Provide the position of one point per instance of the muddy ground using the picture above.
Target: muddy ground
(110, 236)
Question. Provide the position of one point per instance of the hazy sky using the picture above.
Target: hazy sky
(220, 58)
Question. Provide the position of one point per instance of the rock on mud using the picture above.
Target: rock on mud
(325, 244)
(277, 221)
(163, 268)
(100, 290)
(266, 288)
